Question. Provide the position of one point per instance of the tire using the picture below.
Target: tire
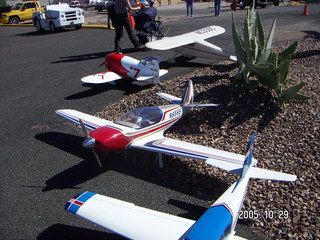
(13, 20)
(276, 3)
(78, 26)
(52, 27)
(37, 24)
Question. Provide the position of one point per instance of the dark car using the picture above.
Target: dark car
(100, 6)
(258, 3)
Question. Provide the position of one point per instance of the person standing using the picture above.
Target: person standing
(111, 14)
(189, 7)
(122, 7)
(217, 5)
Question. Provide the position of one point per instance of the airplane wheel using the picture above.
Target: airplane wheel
(52, 27)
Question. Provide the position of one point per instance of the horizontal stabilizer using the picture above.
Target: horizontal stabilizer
(161, 73)
(203, 105)
(170, 98)
(255, 171)
(100, 78)
(228, 166)
(271, 175)
(143, 78)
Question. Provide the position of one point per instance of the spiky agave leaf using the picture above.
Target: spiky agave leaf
(268, 46)
(238, 44)
(291, 93)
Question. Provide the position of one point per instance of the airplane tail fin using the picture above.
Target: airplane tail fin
(187, 98)
(188, 95)
(248, 159)
(261, 173)
(153, 65)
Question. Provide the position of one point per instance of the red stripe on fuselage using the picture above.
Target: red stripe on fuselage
(164, 114)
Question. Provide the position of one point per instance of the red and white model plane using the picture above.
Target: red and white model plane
(135, 222)
(122, 66)
(144, 128)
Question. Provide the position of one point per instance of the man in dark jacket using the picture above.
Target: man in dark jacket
(122, 7)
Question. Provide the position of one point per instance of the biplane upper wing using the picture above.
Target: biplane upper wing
(167, 43)
(102, 77)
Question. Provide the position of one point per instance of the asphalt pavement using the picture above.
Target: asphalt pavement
(42, 162)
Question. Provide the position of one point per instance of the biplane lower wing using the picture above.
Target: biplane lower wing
(99, 78)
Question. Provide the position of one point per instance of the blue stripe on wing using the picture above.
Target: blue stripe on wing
(77, 201)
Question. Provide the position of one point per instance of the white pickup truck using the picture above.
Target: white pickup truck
(58, 16)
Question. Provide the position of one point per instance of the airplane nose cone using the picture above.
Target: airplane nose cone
(89, 143)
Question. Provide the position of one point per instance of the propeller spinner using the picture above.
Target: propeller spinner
(89, 142)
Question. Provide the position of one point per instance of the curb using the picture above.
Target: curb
(31, 25)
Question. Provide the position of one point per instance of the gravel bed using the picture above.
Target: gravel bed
(287, 140)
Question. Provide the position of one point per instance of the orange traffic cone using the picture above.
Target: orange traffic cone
(305, 10)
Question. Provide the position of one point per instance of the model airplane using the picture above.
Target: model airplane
(122, 66)
(143, 128)
(193, 44)
(134, 222)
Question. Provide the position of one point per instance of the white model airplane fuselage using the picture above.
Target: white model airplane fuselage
(134, 222)
(193, 44)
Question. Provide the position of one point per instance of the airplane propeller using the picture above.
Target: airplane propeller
(89, 142)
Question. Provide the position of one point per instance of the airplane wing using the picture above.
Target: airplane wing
(127, 219)
(228, 161)
(89, 121)
(167, 43)
(100, 78)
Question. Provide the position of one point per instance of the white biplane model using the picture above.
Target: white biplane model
(135, 222)
(122, 66)
(193, 44)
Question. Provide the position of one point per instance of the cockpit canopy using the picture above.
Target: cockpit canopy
(140, 118)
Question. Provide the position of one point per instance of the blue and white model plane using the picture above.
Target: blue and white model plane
(134, 222)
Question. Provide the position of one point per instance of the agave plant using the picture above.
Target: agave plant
(256, 58)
